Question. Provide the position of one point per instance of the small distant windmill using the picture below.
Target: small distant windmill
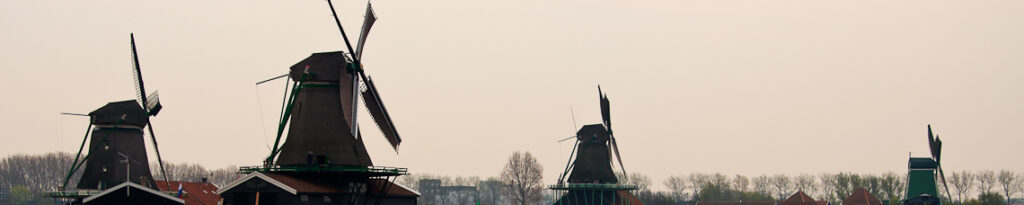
(921, 185)
(116, 130)
(591, 179)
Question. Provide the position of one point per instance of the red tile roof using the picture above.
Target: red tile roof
(799, 198)
(194, 192)
(861, 197)
(746, 202)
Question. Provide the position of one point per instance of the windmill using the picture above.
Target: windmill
(921, 180)
(324, 145)
(591, 178)
(321, 111)
(117, 132)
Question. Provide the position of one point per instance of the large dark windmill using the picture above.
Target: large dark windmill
(324, 145)
(922, 188)
(117, 150)
(592, 179)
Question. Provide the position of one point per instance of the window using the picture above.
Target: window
(327, 198)
(304, 198)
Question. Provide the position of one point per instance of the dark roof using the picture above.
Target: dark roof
(922, 163)
(861, 196)
(296, 185)
(194, 192)
(303, 186)
(111, 114)
(799, 198)
(748, 202)
(395, 189)
(141, 194)
(326, 66)
(593, 132)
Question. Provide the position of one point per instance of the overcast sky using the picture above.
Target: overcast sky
(738, 87)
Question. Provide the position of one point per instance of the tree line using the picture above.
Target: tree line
(29, 176)
(521, 180)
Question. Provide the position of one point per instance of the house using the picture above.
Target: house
(280, 188)
(861, 196)
(749, 202)
(200, 193)
(799, 198)
(132, 193)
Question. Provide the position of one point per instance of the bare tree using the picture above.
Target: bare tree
(986, 181)
(697, 182)
(1008, 180)
(522, 177)
(828, 186)
(44, 172)
(805, 183)
(224, 176)
(845, 183)
(677, 185)
(872, 183)
(489, 191)
(720, 180)
(891, 186)
(641, 181)
(762, 185)
(740, 183)
(963, 183)
(782, 185)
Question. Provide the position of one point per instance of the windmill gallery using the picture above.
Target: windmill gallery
(319, 156)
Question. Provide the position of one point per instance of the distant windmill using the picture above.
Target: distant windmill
(322, 108)
(591, 178)
(117, 133)
(922, 188)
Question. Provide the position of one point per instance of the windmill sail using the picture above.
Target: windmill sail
(370, 18)
(380, 114)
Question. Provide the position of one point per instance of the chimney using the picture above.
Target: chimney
(205, 179)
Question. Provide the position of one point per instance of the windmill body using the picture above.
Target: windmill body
(116, 159)
(323, 159)
(118, 131)
(591, 178)
(923, 175)
(319, 124)
(593, 161)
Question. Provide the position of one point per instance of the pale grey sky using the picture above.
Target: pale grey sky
(739, 87)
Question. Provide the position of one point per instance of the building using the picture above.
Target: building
(861, 196)
(200, 193)
(748, 202)
(131, 193)
(280, 188)
(5, 195)
(434, 193)
(799, 198)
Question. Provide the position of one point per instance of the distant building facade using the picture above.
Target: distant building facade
(5, 195)
(434, 192)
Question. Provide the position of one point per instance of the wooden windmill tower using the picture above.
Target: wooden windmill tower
(922, 188)
(591, 179)
(324, 145)
(117, 157)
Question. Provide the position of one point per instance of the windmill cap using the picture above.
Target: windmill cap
(922, 163)
(326, 66)
(126, 112)
(589, 131)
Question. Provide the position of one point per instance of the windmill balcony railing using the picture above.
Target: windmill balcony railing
(592, 186)
(375, 170)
